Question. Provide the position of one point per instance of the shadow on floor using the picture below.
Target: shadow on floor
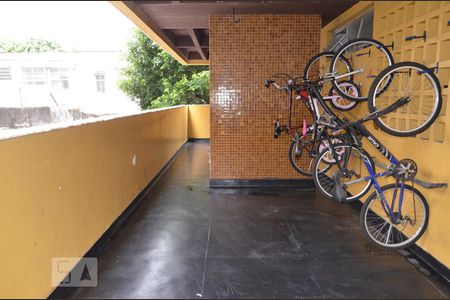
(187, 241)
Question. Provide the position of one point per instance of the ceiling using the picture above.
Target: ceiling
(182, 27)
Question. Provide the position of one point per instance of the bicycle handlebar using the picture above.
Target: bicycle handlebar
(269, 82)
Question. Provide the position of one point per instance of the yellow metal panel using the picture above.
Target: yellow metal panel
(199, 121)
(393, 21)
(61, 190)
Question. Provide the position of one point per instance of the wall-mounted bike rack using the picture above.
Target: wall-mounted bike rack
(413, 37)
(424, 184)
(387, 46)
(390, 46)
(431, 70)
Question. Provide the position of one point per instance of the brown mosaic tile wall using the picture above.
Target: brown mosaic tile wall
(243, 111)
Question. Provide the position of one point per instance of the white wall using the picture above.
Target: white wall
(82, 91)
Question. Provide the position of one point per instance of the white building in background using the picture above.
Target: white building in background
(87, 81)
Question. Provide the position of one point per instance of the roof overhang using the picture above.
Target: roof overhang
(182, 27)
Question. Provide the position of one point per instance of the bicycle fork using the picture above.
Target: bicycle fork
(380, 195)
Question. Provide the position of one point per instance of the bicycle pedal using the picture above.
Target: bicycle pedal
(277, 130)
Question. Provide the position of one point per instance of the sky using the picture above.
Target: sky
(76, 26)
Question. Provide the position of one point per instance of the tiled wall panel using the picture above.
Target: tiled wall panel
(242, 56)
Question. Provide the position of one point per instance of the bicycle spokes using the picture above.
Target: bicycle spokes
(407, 80)
(405, 225)
(367, 58)
(355, 178)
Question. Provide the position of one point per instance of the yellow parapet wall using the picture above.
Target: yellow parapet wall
(393, 21)
(199, 122)
(61, 190)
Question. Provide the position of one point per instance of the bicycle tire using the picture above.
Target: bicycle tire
(324, 183)
(342, 49)
(317, 56)
(364, 222)
(300, 170)
(292, 154)
(373, 91)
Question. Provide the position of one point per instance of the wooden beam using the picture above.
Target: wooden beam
(194, 38)
(198, 62)
(183, 41)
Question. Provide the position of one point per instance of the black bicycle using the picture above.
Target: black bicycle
(307, 140)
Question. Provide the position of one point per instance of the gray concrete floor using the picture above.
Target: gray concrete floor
(187, 241)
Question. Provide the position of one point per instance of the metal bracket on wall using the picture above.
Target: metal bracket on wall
(424, 184)
(390, 46)
(431, 70)
(413, 37)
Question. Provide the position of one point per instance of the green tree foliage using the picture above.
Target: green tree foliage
(185, 91)
(155, 79)
(32, 45)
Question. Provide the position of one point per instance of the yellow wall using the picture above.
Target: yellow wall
(199, 121)
(393, 21)
(61, 190)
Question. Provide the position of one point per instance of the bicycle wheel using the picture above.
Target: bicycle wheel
(301, 163)
(319, 65)
(411, 222)
(356, 184)
(340, 103)
(368, 58)
(407, 79)
(302, 159)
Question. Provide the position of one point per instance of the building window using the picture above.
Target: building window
(100, 81)
(52, 77)
(5, 73)
(33, 76)
(58, 78)
(361, 27)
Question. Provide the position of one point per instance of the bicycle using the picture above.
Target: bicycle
(357, 62)
(312, 137)
(395, 224)
(380, 95)
(390, 224)
(367, 57)
(411, 99)
(320, 63)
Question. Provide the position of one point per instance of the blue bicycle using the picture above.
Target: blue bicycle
(395, 215)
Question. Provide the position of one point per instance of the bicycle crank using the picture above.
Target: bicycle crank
(406, 169)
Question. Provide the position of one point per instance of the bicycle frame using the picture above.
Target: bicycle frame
(312, 106)
(380, 148)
